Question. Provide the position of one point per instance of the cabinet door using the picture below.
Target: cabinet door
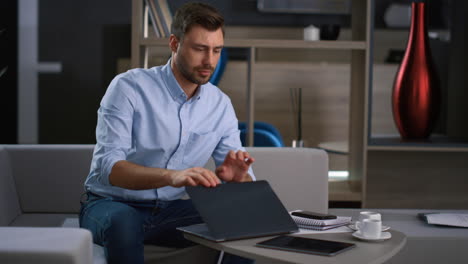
(73, 55)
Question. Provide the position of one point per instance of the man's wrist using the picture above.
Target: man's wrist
(167, 175)
(247, 178)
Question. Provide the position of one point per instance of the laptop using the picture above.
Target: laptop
(234, 211)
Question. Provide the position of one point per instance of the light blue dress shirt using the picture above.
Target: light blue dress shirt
(145, 118)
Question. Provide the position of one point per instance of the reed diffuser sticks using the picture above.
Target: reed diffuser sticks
(296, 104)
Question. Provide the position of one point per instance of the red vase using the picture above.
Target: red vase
(416, 91)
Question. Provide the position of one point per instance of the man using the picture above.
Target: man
(156, 129)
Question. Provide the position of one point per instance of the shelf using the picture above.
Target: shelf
(438, 143)
(273, 43)
(435, 143)
(340, 191)
(336, 147)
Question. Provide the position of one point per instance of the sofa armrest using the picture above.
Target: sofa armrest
(45, 245)
(49, 178)
(9, 203)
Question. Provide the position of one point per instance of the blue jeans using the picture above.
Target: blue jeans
(123, 228)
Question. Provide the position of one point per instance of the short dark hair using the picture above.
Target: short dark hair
(194, 13)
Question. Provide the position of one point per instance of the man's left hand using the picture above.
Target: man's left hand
(235, 167)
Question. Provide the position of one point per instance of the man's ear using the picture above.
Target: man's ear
(173, 43)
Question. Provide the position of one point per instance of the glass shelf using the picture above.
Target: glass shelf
(435, 143)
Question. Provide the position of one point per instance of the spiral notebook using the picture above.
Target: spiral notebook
(321, 228)
(316, 224)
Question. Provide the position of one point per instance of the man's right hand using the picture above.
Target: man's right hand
(193, 177)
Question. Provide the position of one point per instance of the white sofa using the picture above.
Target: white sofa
(41, 186)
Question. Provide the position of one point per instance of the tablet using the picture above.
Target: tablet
(306, 245)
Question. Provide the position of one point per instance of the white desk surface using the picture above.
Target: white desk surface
(364, 252)
(425, 243)
(407, 221)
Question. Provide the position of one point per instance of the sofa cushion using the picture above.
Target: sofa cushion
(42, 220)
(299, 176)
(9, 205)
(50, 178)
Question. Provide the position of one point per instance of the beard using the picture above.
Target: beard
(192, 74)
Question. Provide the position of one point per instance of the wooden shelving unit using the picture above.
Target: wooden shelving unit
(273, 43)
(428, 174)
(360, 47)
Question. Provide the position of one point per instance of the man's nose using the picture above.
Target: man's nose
(209, 58)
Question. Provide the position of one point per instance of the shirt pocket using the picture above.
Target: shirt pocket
(199, 148)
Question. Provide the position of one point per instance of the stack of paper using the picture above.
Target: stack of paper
(315, 224)
(447, 219)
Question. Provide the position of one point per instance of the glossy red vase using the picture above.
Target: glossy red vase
(416, 90)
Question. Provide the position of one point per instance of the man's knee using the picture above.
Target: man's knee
(115, 221)
(125, 226)
(124, 218)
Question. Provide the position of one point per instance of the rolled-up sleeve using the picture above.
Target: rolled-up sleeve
(230, 140)
(114, 126)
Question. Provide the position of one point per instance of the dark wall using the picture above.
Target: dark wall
(8, 71)
(86, 37)
(245, 12)
(438, 12)
(458, 74)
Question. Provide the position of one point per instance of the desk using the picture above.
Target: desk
(428, 244)
(364, 252)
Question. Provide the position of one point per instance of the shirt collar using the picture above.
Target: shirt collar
(174, 88)
(198, 93)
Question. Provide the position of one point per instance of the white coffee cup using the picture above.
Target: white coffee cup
(371, 228)
(367, 215)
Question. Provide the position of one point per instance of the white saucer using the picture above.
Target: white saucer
(353, 227)
(383, 236)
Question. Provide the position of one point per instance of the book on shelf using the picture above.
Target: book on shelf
(155, 19)
(165, 15)
(161, 17)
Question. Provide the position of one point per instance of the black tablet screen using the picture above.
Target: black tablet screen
(306, 245)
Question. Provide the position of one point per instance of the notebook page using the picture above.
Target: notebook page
(460, 220)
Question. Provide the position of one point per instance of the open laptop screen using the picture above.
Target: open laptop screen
(238, 210)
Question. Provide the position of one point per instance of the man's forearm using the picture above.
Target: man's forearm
(132, 176)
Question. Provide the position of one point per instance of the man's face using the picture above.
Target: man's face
(198, 54)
